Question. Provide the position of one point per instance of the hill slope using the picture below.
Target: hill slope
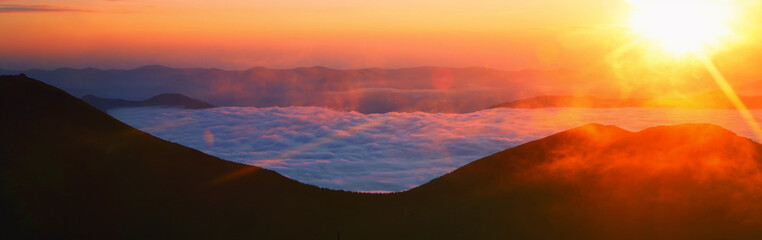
(681, 182)
(69, 170)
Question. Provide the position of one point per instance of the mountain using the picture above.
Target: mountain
(71, 171)
(68, 170)
(570, 101)
(711, 101)
(165, 99)
(687, 181)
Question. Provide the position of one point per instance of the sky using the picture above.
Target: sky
(238, 34)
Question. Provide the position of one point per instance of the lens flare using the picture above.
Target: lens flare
(681, 26)
(693, 27)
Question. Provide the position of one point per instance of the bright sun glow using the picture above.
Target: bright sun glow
(681, 26)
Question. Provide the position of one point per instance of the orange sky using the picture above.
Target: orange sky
(239, 34)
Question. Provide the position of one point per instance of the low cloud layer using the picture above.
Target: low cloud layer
(383, 152)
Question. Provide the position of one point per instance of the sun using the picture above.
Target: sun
(682, 26)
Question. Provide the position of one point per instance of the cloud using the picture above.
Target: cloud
(19, 8)
(382, 152)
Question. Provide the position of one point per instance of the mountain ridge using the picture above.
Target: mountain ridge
(703, 101)
(164, 99)
(451, 89)
(160, 66)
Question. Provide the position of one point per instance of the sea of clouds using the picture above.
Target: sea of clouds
(384, 152)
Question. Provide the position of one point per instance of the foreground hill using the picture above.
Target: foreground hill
(165, 99)
(69, 170)
(716, 100)
(691, 181)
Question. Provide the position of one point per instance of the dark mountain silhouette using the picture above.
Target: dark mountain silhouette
(713, 100)
(71, 171)
(166, 99)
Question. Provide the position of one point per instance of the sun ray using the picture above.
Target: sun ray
(727, 89)
(689, 27)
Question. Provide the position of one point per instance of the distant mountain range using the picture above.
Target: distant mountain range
(717, 101)
(165, 99)
(371, 90)
(68, 170)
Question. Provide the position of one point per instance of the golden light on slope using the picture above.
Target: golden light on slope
(683, 26)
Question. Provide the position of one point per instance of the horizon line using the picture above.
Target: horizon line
(286, 68)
